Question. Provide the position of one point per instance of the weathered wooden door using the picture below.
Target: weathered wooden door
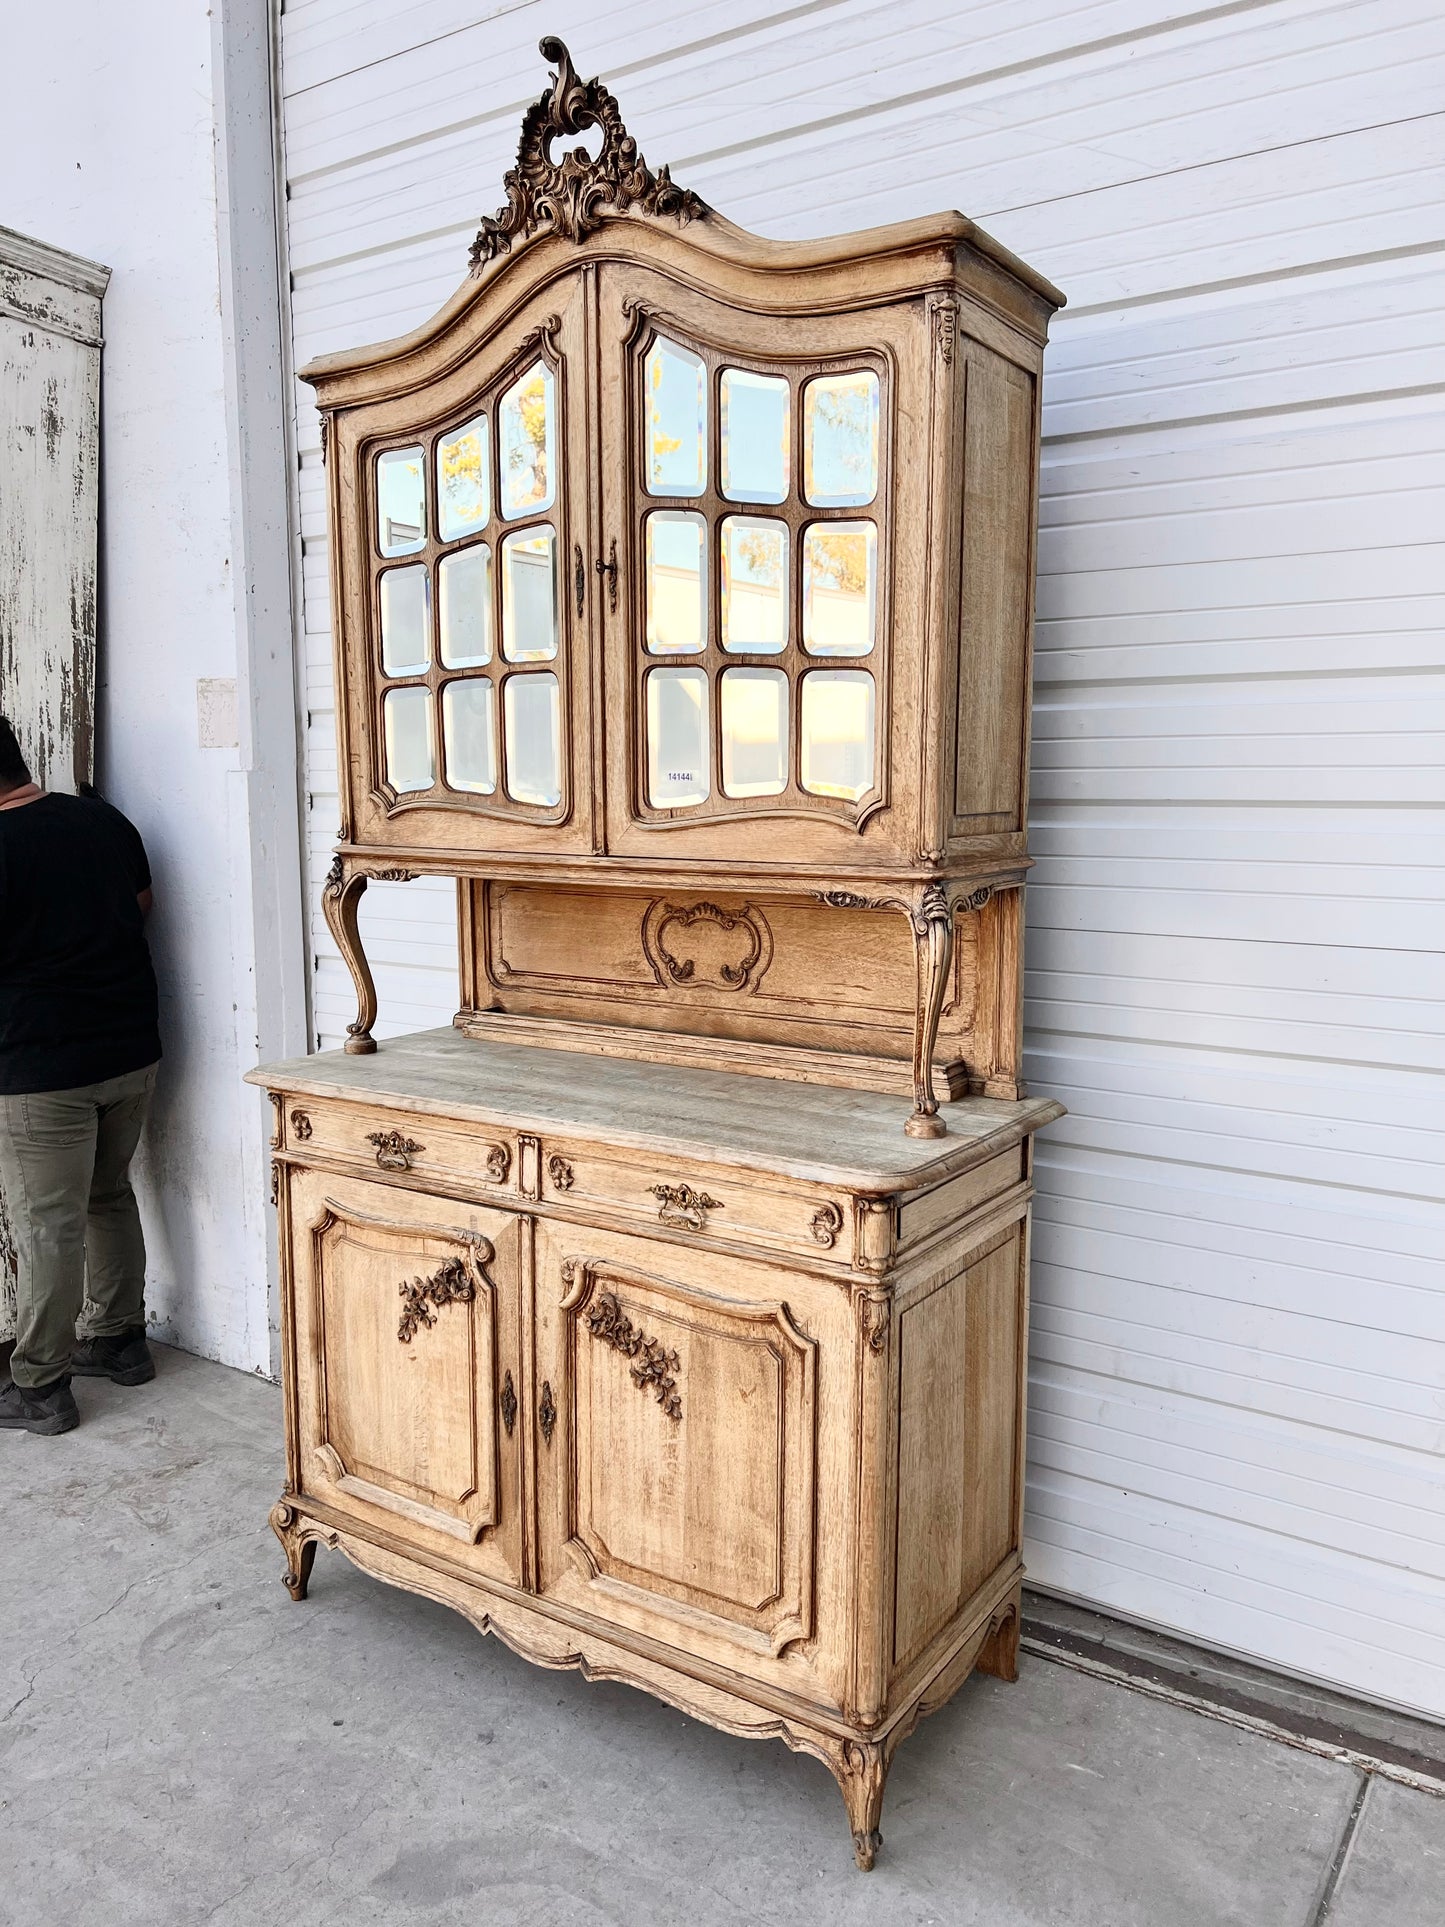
(49, 469)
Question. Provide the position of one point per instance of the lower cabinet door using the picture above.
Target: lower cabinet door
(692, 1412)
(408, 1364)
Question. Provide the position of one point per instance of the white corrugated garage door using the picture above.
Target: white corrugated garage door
(1238, 1393)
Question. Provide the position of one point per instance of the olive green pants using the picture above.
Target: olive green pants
(65, 1172)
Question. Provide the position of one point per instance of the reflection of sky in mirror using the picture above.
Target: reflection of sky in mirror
(677, 421)
(840, 421)
(754, 437)
(676, 544)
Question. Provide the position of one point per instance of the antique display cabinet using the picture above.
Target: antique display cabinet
(668, 1315)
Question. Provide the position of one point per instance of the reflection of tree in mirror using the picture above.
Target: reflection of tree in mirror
(662, 443)
(531, 451)
(761, 554)
(463, 478)
(847, 416)
(840, 556)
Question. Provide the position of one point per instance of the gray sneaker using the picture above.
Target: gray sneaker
(42, 1409)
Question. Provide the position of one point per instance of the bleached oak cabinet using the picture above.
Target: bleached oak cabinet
(682, 587)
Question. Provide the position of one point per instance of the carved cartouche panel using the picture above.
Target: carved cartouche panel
(697, 945)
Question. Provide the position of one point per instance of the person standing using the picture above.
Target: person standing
(79, 1050)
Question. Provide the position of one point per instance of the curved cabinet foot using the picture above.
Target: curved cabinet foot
(300, 1553)
(999, 1654)
(861, 1768)
(340, 903)
(932, 920)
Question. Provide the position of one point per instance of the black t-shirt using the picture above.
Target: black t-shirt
(77, 992)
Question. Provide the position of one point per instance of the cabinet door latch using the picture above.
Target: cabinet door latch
(609, 569)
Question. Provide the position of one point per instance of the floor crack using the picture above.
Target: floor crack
(1335, 1873)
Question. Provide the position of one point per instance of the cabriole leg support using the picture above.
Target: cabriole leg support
(861, 1772)
(932, 922)
(300, 1553)
(340, 901)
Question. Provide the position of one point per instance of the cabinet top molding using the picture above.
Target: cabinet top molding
(571, 191)
(562, 202)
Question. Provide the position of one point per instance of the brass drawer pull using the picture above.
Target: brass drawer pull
(682, 1207)
(393, 1151)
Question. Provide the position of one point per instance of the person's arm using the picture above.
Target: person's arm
(144, 898)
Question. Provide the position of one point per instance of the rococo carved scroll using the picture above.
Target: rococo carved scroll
(747, 929)
(572, 193)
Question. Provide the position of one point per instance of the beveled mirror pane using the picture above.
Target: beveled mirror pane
(469, 735)
(526, 443)
(400, 501)
(838, 732)
(840, 588)
(676, 420)
(753, 426)
(754, 585)
(410, 758)
(840, 439)
(679, 765)
(754, 732)
(463, 480)
(529, 596)
(532, 708)
(676, 582)
(464, 598)
(406, 621)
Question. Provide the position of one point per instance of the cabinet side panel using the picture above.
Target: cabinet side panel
(998, 547)
(991, 1378)
(958, 1411)
(932, 1443)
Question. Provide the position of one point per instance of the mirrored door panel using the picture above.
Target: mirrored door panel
(469, 654)
(753, 488)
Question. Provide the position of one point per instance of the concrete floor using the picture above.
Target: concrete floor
(179, 1744)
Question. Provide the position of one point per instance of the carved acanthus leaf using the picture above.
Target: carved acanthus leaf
(572, 194)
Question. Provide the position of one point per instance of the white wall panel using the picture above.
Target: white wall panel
(1233, 976)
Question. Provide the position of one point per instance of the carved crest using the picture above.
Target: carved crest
(573, 193)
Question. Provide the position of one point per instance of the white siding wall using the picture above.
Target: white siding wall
(117, 133)
(1238, 1395)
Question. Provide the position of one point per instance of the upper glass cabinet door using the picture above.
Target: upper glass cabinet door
(760, 548)
(472, 633)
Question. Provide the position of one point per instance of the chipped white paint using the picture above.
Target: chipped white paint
(49, 467)
(49, 478)
(217, 716)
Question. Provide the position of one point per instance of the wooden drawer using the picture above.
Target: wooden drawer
(698, 1201)
(927, 1212)
(447, 1154)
